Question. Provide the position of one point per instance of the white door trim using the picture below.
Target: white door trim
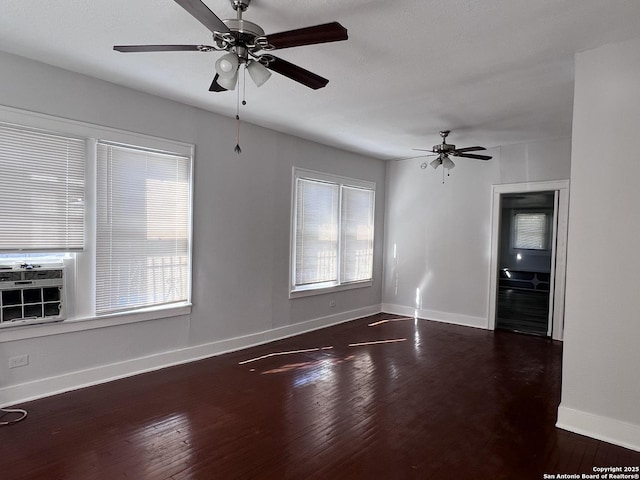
(554, 251)
(562, 187)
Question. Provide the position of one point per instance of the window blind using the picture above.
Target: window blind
(531, 231)
(357, 234)
(143, 228)
(42, 185)
(316, 232)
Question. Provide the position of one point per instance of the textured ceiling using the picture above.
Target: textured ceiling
(494, 72)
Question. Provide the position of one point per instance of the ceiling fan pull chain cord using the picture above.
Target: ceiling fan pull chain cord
(244, 84)
(237, 149)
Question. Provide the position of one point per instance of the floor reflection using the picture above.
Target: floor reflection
(316, 365)
(389, 320)
(377, 342)
(288, 352)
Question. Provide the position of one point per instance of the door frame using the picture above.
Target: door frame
(561, 187)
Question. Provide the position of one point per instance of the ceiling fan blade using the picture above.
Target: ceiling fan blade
(328, 32)
(472, 155)
(469, 149)
(296, 73)
(205, 16)
(215, 86)
(160, 48)
(429, 153)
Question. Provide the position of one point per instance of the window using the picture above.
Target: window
(356, 234)
(112, 207)
(316, 232)
(530, 231)
(142, 246)
(42, 185)
(333, 231)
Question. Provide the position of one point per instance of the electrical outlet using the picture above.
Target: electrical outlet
(19, 361)
(332, 303)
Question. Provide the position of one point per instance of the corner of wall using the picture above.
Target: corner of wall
(602, 428)
(435, 316)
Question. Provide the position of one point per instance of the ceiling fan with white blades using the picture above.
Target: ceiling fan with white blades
(247, 44)
(445, 150)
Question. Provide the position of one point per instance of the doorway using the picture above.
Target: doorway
(529, 229)
(525, 262)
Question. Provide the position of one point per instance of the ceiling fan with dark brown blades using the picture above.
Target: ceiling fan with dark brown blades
(445, 150)
(247, 44)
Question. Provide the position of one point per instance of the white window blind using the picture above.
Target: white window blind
(143, 228)
(42, 190)
(357, 234)
(530, 231)
(316, 232)
(333, 237)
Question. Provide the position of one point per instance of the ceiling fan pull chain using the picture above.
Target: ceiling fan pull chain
(237, 149)
(244, 84)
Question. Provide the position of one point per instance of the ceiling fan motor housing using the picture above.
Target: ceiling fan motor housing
(444, 148)
(245, 34)
(244, 28)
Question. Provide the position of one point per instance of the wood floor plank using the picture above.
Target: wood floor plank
(383, 397)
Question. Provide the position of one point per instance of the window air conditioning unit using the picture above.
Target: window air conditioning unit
(31, 294)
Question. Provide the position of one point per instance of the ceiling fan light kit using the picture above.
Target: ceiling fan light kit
(227, 70)
(227, 64)
(258, 73)
(228, 82)
(448, 163)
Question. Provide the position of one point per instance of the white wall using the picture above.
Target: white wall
(601, 383)
(438, 237)
(242, 210)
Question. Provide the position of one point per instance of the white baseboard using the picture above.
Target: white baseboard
(15, 394)
(444, 317)
(601, 428)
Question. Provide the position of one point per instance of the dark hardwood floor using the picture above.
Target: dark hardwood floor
(434, 401)
(524, 311)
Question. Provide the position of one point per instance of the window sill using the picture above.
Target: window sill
(91, 323)
(309, 292)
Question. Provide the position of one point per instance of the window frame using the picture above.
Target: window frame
(80, 295)
(321, 288)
